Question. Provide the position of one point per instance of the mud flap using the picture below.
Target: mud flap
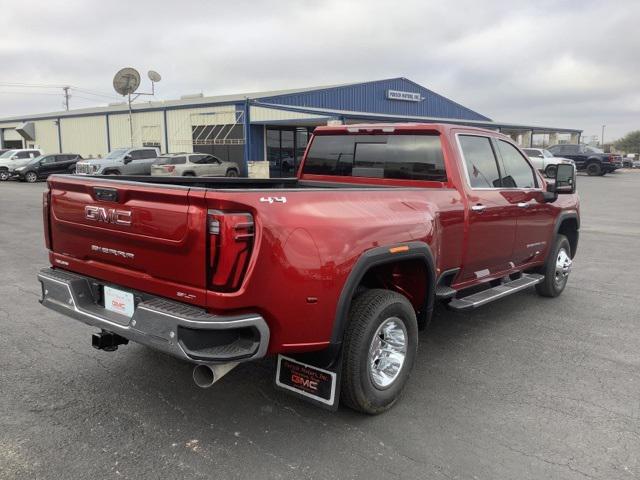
(320, 386)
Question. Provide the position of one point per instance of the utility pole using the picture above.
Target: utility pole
(66, 98)
(602, 136)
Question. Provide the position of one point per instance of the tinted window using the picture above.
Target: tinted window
(516, 171)
(482, 168)
(147, 154)
(569, 149)
(24, 155)
(408, 157)
(61, 158)
(48, 160)
(555, 149)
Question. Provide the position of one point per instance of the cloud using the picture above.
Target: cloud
(565, 63)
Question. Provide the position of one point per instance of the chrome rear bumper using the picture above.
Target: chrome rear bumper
(181, 330)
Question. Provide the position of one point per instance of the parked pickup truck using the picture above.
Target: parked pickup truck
(334, 271)
(121, 161)
(590, 159)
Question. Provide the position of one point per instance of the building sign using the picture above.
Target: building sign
(404, 96)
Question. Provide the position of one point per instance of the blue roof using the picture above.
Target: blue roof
(372, 97)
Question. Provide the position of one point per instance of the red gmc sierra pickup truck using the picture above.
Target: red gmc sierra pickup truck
(333, 271)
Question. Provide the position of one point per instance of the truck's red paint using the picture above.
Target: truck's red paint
(304, 249)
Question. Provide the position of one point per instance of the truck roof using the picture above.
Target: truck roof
(395, 127)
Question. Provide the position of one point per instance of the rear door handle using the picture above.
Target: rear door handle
(523, 205)
(478, 208)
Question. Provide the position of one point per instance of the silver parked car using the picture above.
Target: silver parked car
(193, 165)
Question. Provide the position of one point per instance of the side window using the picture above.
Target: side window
(148, 154)
(60, 158)
(48, 160)
(209, 159)
(197, 159)
(22, 155)
(571, 150)
(480, 161)
(516, 171)
(134, 154)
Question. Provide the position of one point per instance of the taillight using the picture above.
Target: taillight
(231, 236)
(610, 158)
(45, 219)
(169, 168)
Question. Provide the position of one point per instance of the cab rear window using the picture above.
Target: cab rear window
(405, 157)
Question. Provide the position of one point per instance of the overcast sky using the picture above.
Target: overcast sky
(572, 64)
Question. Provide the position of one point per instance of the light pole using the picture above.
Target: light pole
(602, 136)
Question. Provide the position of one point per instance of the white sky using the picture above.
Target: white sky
(573, 64)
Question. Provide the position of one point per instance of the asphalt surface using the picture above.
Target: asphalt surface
(527, 388)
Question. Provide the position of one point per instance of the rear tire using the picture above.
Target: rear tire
(232, 173)
(556, 269)
(31, 177)
(550, 171)
(594, 169)
(4, 175)
(379, 350)
(112, 172)
(188, 174)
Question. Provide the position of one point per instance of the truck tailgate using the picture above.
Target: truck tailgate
(143, 232)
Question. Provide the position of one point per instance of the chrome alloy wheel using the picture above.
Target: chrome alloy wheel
(387, 352)
(563, 267)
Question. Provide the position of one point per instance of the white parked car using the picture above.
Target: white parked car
(12, 159)
(544, 160)
(193, 165)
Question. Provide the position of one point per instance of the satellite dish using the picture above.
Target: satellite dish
(126, 81)
(154, 76)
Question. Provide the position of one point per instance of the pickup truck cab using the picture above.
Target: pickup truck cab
(121, 161)
(333, 271)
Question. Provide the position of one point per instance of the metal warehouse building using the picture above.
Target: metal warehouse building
(273, 126)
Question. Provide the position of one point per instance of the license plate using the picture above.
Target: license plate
(118, 301)
(309, 382)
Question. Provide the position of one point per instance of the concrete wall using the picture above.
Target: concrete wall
(148, 127)
(86, 136)
(47, 136)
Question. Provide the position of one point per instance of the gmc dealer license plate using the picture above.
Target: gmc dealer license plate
(311, 383)
(119, 301)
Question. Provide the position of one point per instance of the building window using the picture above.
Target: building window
(285, 149)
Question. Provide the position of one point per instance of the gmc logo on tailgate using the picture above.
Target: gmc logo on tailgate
(108, 215)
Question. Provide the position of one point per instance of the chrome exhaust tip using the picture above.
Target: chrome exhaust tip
(205, 376)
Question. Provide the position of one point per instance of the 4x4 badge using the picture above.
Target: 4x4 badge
(273, 199)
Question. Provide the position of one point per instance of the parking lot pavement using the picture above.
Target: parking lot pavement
(527, 388)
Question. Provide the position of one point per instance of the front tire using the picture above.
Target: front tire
(31, 177)
(556, 269)
(550, 171)
(379, 350)
(594, 169)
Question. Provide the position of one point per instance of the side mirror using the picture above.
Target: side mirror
(127, 158)
(565, 178)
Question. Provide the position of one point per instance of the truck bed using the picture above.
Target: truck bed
(224, 183)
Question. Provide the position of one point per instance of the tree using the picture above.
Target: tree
(630, 143)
